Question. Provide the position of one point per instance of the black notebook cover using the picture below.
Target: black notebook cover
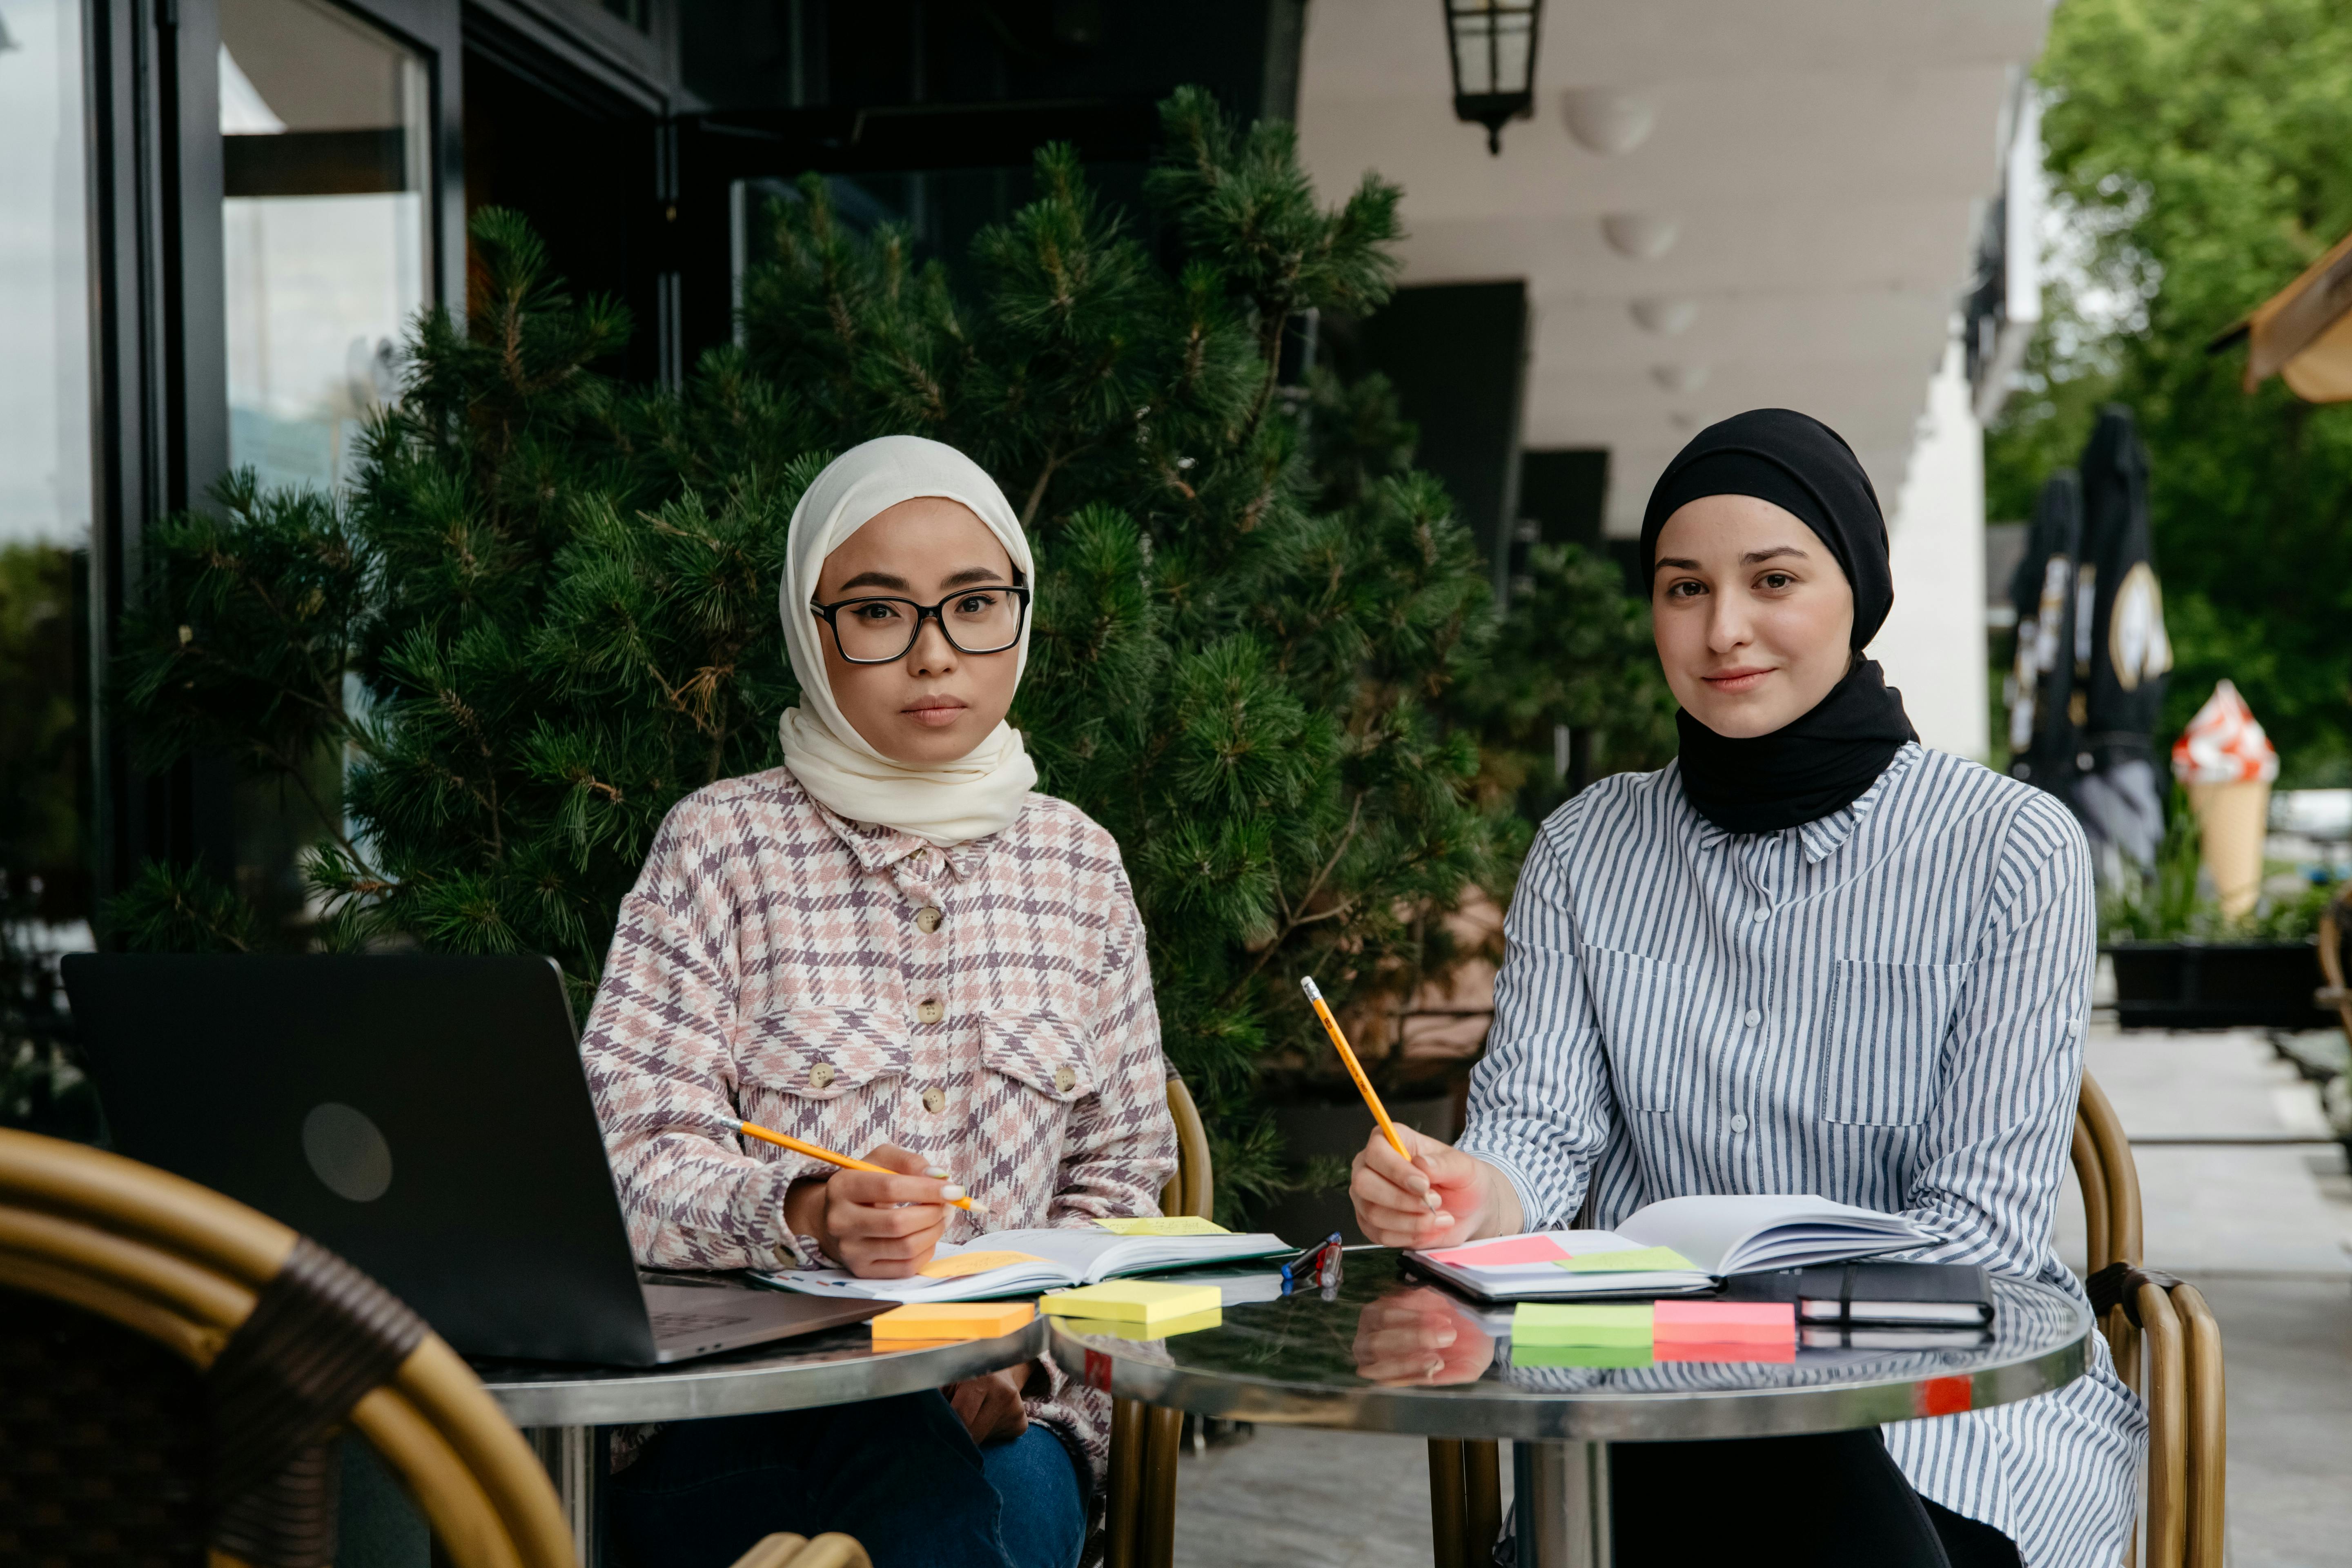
(1890, 1293)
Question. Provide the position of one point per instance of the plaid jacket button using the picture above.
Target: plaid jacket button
(935, 1099)
(929, 1013)
(819, 1075)
(1063, 1079)
(927, 919)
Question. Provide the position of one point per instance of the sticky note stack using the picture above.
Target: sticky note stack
(1545, 1334)
(1142, 1303)
(936, 1322)
(1726, 1330)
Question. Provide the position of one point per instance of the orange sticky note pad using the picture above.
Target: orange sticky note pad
(1724, 1323)
(953, 1321)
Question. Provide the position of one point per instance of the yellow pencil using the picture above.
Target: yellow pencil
(1355, 1068)
(818, 1152)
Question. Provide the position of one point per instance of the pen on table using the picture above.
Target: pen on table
(1355, 1068)
(818, 1152)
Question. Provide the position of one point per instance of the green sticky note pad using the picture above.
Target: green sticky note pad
(1547, 1323)
(1641, 1259)
(1579, 1355)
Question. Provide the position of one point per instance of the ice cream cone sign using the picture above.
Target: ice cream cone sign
(2227, 763)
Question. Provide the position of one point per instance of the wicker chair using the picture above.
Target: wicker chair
(1145, 1439)
(121, 1287)
(2180, 1376)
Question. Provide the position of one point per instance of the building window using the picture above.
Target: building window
(46, 841)
(326, 229)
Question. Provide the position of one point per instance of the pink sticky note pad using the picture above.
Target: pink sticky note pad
(1679, 1350)
(1725, 1322)
(1520, 1249)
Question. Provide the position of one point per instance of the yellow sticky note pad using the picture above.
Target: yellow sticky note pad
(1176, 1224)
(952, 1320)
(1142, 1301)
(1166, 1329)
(956, 1265)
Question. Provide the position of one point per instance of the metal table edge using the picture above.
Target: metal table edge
(1593, 1416)
(692, 1391)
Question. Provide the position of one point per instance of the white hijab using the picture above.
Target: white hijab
(947, 803)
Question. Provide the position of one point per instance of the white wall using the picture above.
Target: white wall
(1933, 644)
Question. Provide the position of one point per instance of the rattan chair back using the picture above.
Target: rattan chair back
(107, 1260)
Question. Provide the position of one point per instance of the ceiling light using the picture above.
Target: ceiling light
(1607, 122)
(1664, 317)
(1680, 378)
(1645, 237)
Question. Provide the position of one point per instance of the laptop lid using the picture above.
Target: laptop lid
(425, 1116)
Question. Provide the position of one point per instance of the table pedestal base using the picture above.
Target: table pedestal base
(1562, 1490)
(575, 1463)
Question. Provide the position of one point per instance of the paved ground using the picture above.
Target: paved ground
(2260, 1229)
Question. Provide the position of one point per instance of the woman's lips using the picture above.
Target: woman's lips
(1735, 680)
(938, 712)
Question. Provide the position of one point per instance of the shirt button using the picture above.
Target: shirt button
(1763, 914)
(1740, 1124)
(1751, 1018)
(929, 1013)
(1063, 1079)
(819, 1075)
(935, 1099)
(927, 919)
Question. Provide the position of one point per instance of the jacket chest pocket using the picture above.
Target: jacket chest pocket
(1036, 1060)
(1644, 1005)
(821, 1053)
(1883, 1036)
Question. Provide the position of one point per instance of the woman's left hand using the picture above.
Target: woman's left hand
(991, 1404)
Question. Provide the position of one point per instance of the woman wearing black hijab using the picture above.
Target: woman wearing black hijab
(1810, 956)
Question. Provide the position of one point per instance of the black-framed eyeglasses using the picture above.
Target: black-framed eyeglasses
(880, 631)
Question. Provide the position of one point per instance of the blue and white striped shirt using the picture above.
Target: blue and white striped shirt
(1885, 1006)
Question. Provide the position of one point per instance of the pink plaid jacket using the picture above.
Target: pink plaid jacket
(989, 1005)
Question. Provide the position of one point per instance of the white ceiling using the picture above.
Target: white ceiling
(1820, 162)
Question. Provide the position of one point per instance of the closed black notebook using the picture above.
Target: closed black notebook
(1875, 1293)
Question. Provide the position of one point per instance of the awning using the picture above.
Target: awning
(2305, 332)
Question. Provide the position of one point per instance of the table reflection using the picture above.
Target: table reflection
(1421, 1335)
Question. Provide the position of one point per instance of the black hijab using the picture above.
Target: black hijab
(1822, 761)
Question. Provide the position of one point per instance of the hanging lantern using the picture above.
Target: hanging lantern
(1492, 45)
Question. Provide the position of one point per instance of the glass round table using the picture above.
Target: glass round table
(1383, 1352)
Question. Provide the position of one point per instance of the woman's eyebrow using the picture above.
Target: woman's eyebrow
(1753, 556)
(1677, 562)
(877, 580)
(971, 575)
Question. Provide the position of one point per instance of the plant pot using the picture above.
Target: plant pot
(2217, 985)
(1314, 1128)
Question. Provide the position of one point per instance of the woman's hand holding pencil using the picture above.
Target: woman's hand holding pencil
(881, 1216)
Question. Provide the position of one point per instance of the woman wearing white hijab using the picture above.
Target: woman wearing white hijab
(891, 946)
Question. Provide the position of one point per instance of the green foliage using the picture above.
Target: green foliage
(2175, 901)
(1252, 622)
(2202, 151)
(1575, 651)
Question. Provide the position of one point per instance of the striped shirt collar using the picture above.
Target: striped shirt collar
(1825, 835)
(875, 848)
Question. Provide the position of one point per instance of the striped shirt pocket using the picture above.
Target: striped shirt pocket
(1883, 1034)
(816, 1053)
(1644, 1005)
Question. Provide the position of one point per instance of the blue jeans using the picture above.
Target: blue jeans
(901, 1474)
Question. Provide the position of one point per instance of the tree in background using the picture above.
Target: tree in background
(548, 610)
(2200, 154)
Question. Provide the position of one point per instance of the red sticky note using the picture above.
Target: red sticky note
(1945, 1396)
(1678, 1350)
(1725, 1322)
(1516, 1252)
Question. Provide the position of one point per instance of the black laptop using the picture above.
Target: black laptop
(425, 1116)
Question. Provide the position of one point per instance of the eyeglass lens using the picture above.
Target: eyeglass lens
(983, 621)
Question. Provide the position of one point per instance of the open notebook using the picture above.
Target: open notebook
(1025, 1262)
(1673, 1247)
